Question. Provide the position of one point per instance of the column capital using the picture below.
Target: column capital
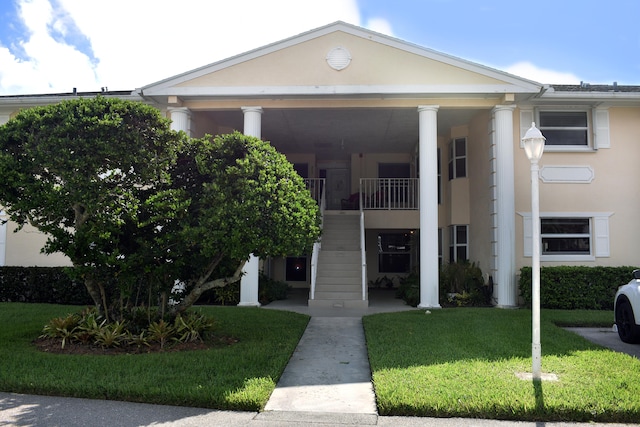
(255, 109)
(503, 108)
(428, 108)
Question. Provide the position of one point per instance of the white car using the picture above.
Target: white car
(627, 310)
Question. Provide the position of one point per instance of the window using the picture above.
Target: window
(394, 252)
(458, 158)
(458, 243)
(565, 236)
(569, 236)
(564, 128)
(296, 269)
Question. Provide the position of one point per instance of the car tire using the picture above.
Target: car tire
(628, 331)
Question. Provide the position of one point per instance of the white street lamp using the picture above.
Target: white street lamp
(533, 142)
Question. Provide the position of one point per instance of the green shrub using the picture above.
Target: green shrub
(49, 285)
(271, 290)
(462, 284)
(409, 289)
(575, 287)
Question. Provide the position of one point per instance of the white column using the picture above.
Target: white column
(251, 271)
(427, 152)
(3, 238)
(180, 119)
(505, 279)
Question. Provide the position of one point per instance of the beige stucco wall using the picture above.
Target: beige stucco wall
(479, 168)
(23, 249)
(304, 64)
(613, 189)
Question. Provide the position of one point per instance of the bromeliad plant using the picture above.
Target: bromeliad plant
(89, 328)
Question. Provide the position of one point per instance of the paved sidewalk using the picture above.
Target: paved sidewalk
(328, 372)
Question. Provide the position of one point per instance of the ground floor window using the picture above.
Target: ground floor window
(394, 252)
(570, 236)
(296, 269)
(565, 236)
(458, 243)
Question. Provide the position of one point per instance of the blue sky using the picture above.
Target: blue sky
(51, 46)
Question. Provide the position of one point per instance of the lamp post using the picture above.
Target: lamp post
(533, 142)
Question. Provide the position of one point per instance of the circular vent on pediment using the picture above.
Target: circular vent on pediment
(338, 58)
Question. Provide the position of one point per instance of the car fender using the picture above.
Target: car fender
(632, 291)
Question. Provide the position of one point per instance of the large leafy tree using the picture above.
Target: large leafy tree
(244, 198)
(79, 171)
(132, 202)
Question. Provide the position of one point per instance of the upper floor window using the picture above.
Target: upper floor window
(458, 158)
(566, 129)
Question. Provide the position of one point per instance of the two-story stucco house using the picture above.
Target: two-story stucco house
(416, 158)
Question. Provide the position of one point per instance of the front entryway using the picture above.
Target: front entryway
(338, 185)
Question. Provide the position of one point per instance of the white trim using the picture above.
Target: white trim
(599, 235)
(568, 174)
(417, 89)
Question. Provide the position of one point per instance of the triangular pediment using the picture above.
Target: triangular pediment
(340, 59)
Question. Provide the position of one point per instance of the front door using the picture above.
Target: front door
(338, 187)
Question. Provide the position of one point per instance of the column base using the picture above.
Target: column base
(249, 304)
(429, 306)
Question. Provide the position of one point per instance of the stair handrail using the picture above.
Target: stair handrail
(363, 256)
(317, 246)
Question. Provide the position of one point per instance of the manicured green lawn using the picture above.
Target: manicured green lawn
(463, 363)
(238, 377)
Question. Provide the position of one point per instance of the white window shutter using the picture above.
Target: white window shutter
(601, 128)
(526, 118)
(601, 236)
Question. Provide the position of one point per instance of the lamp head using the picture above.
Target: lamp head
(533, 142)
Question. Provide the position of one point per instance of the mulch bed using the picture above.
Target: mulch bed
(53, 345)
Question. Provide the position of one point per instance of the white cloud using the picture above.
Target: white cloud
(380, 25)
(133, 43)
(532, 72)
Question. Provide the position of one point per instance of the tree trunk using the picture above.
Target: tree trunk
(203, 285)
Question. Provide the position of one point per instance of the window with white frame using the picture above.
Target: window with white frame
(458, 243)
(569, 236)
(565, 236)
(566, 129)
(457, 158)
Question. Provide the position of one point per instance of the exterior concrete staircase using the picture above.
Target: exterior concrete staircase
(339, 277)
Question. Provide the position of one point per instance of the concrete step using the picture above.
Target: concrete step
(343, 296)
(339, 257)
(326, 287)
(359, 303)
(345, 271)
(322, 280)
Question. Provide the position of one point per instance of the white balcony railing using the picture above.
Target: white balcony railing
(389, 193)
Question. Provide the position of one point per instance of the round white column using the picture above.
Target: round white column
(505, 207)
(428, 158)
(180, 119)
(251, 270)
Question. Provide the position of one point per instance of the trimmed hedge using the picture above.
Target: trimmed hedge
(41, 285)
(576, 287)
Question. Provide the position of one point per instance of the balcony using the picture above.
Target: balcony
(389, 194)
